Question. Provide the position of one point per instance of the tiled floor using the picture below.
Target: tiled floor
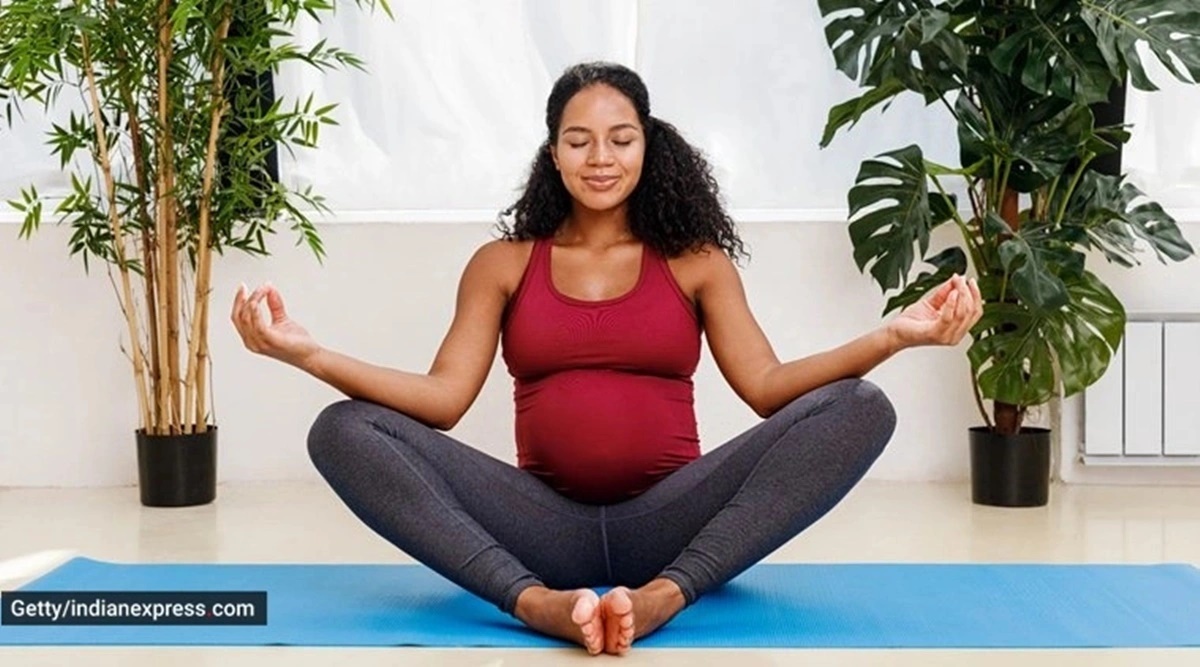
(301, 522)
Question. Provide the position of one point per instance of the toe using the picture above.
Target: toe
(617, 609)
(620, 602)
(585, 608)
(586, 614)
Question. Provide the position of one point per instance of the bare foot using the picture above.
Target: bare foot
(630, 614)
(571, 615)
(616, 608)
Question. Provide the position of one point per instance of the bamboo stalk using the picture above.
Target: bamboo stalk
(165, 233)
(197, 345)
(114, 221)
(201, 364)
(149, 257)
(170, 245)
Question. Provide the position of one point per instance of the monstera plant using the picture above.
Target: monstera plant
(1021, 79)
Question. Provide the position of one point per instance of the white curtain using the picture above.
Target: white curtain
(453, 112)
(1163, 156)
(446, 121)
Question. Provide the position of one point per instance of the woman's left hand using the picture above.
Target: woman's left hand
(942, 317)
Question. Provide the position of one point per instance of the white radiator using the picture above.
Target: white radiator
(1145, 410)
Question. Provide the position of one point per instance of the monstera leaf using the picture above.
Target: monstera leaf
(1033, 281)
(872, 39)
(893, 45)
(1015, 345)
(850, 111)
(1170, 28)
(1112, 216)
(897, 212)
(1054, 53)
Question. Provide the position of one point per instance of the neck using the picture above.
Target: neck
(595, 229)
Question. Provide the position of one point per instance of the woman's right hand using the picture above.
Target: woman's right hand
(282, 338)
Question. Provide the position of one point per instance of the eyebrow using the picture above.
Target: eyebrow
(614, 128)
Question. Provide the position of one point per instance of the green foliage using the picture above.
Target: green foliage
(1020, 78)
(167, 140)
(42, 53)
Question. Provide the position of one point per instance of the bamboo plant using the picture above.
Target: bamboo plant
(1020, 78)
(166, 130)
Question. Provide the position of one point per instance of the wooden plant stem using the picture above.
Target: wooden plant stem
(168, 277)
(114, 221)
(197, 344)
(149, 256)
(1009, 416)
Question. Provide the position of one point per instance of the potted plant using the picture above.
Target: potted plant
(1020, 78)
(169, 162)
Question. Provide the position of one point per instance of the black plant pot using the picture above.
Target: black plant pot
(1010, 470)
(177, 470)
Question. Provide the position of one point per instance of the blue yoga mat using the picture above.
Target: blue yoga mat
(768, 606)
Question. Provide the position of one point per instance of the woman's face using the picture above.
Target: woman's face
(600, 147)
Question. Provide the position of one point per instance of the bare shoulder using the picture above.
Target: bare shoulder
(500, 263)
(694, 269)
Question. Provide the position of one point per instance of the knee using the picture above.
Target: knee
(857, 402)
(870, 407)
(350, 429)
(334, 430)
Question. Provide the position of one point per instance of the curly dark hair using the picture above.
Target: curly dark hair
(675, 206)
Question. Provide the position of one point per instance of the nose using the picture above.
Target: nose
(601, 153)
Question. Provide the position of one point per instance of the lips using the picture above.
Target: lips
(601, 182)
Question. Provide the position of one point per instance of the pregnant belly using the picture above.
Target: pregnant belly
(601, 436)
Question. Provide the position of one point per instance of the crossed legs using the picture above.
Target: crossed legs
(505, 536)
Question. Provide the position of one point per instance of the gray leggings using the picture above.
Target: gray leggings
(495, 530)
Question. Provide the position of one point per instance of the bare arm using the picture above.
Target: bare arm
(439, 397)
(746, 359)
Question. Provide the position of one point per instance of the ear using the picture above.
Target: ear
(554, 156)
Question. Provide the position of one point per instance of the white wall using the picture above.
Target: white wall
(385, 294)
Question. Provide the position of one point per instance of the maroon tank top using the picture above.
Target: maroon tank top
(603, 389)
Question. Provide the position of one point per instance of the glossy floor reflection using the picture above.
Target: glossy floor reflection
(878, 521)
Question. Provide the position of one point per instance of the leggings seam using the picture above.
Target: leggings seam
(425, 482)
(384, 431)
(604, 541)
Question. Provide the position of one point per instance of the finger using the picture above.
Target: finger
(275, 304)
(978, 299)
(963, 326)
(245, 313)
(946, 316)
(966, 327)
(260, 325)
(938, 295)
(250, 315)
(966, 302)
(974, 309)
(239, 298)
(948, 322)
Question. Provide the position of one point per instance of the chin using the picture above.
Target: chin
(602, 204)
